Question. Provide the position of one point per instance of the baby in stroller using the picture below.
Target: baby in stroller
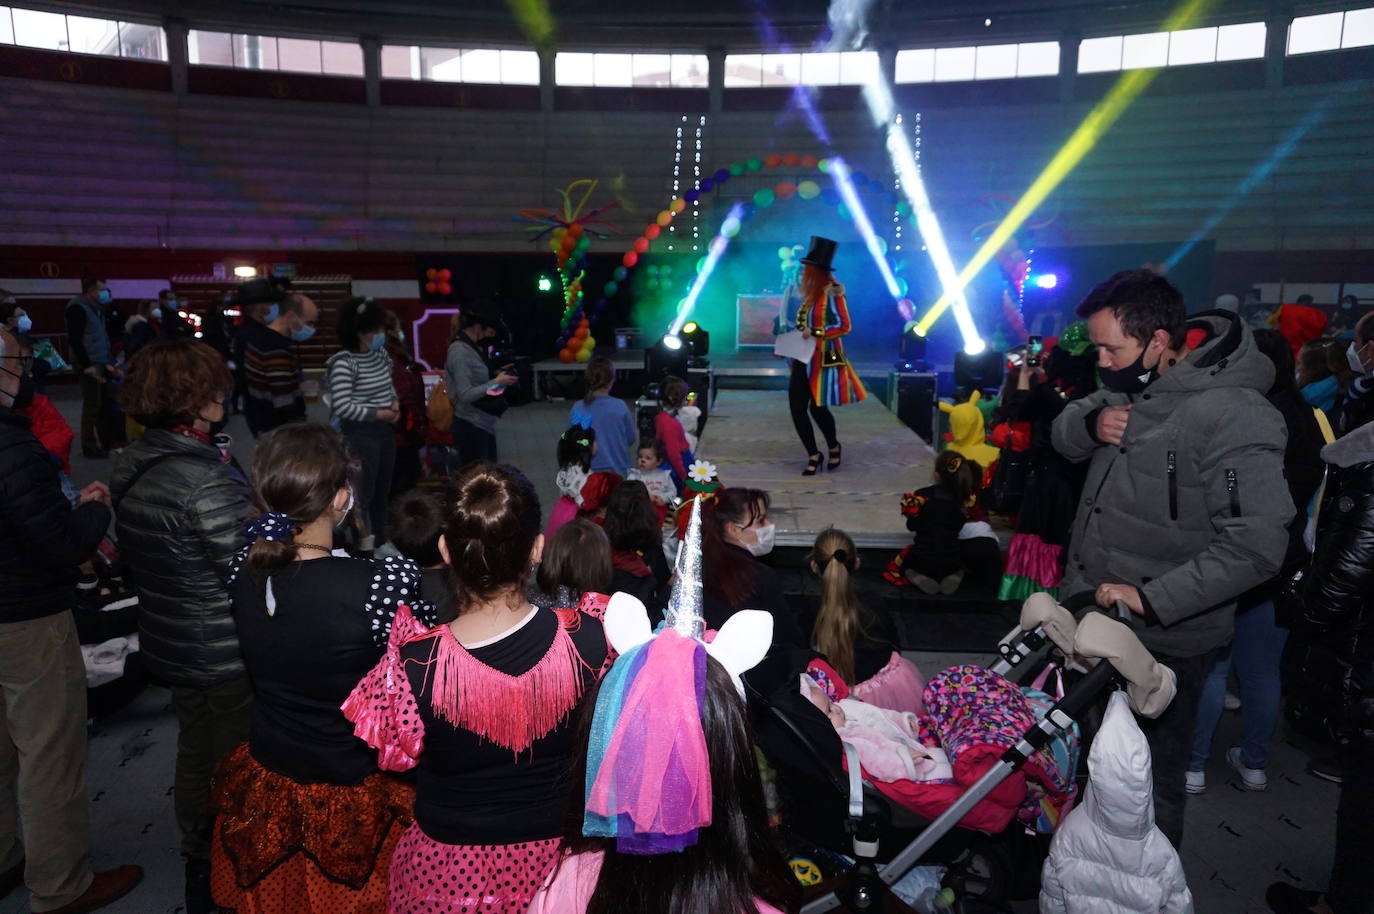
(887, 741)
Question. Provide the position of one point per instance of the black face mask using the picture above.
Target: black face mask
(1132, 379)
(23, 397)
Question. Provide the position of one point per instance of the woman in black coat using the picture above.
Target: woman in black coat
(1338, 596)
(180, 504)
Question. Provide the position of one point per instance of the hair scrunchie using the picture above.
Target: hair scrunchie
(841, 555)
(272, 526)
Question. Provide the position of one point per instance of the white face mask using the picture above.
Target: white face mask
(764, 536)
(1352, 356)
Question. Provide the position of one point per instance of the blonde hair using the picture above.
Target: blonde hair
(837, 623)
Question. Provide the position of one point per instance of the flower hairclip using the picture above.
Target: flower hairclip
(702, 471)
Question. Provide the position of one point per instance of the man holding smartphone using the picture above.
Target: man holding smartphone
(473, 386)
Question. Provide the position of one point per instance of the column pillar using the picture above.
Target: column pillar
(372, 69)
(177, 55)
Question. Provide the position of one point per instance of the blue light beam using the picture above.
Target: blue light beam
(728, 228)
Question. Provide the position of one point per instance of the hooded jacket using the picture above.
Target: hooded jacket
(179, 512)
(1107, 856)
(1192, 507)
(1338, 588)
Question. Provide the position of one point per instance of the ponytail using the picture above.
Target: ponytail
(837, 624)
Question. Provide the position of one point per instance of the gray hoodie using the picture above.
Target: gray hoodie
(1192, 507)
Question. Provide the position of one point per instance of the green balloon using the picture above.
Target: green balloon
(754, 164)
(611, 288)
(737, 169)
(763, 198)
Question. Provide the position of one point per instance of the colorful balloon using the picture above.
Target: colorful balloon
(763, 198)
(583, 355)
(785, 190)
(772, 161)
(808, 162)
(431, 274)
(663, 218)
(589, 342)
(641, 245)
(431, 287)
(620, 273)
(791, 160)
(630, 259)
(445, 288)
(808, 190)
(706, 185)
(652, 231)
(677, 205)
(721, 176)
(566, 355)
(575, 229)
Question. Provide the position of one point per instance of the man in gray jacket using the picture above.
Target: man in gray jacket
(471, 381)
(1185, 505)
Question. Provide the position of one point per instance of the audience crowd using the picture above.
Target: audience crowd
(402, 685)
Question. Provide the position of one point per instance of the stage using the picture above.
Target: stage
(750, 439)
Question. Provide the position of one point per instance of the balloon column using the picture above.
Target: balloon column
(570, 233)
(437, 281)
(1012, 258)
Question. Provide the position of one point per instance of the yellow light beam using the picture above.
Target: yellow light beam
(1098, 121)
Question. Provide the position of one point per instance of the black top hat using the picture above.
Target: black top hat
(822, 252)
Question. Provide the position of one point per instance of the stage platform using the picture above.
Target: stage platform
(748, 368)
(751, 441)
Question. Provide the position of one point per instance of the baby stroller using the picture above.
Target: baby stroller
(830, 804)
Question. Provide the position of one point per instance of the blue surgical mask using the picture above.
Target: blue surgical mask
(273, 313)
(376, 343)
(25, 323)
(104, 297)
(301, 334)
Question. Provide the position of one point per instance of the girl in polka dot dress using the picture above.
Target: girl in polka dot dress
(306, 822)
(482, 709)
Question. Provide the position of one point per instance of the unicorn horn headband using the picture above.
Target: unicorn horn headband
(648, 770)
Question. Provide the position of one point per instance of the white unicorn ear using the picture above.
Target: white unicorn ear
(626, 622)
(741, 643)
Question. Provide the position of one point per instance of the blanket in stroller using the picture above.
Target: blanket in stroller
(975, 715)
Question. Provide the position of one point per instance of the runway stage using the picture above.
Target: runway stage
(750, 439)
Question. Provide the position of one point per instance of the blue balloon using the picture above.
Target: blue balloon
(691, 195)
(722, 176)
(706, 185)
(620, 274)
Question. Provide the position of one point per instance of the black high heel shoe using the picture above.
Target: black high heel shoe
(813, 465)
(836, 455)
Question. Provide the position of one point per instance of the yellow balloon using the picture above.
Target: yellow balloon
(678, 205)
(664, 218)
(808, 189)
(584, 355)
(589, 343)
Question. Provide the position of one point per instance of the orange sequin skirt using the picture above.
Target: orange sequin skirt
(282, 847)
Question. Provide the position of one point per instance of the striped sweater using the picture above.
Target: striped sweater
(359, 384)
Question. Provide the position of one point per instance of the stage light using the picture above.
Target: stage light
(245, 272)
(839, 170)
(689, 328)
(708, 266)
(1046, 281)
(878, 94)
(698, 340)
(1097, 122)
(672, 341)
(975, 346)
(545, 284)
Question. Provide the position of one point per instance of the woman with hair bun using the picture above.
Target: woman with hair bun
(306, 821)
(482, 707)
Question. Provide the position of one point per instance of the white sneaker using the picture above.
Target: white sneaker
(1231, 702)
(1250, 778)
(1196, 782)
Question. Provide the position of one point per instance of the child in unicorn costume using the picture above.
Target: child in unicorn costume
(671, 803)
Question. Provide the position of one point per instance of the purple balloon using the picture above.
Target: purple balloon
(722, 176)
(691, 195)
(706, 185)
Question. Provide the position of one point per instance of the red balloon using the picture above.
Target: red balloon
(808, 162)
(566, 355)
(445, 274)
(630, 259)
(584, 323)
(641, 245)
(431, 287)
(784, 190)
(445, 288)
(772, 161)
(575, 230)
(580, 333)
(791, 160)
(569, 242)
(652, 231)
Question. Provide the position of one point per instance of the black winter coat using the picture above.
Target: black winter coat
(1338, 593)
(42, 537)
(179, 513)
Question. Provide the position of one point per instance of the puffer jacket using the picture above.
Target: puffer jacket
(1338, 587)
(1107, 856)
(42, 537)
(1192, 507)
(179, 512)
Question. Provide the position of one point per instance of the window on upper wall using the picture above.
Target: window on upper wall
(1244, 41)
(989, 61)
(494, 66)
(81, 34)
(269, 52)
(644, 71)
(1331, 31)
(827, 68)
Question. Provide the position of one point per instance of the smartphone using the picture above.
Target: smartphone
(1034, 346)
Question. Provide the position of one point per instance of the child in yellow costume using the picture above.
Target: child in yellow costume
(967, 436)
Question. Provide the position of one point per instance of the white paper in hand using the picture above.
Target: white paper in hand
(794, 345)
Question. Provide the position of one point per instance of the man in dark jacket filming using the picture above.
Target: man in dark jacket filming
(1185, 506)
(42, 677)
